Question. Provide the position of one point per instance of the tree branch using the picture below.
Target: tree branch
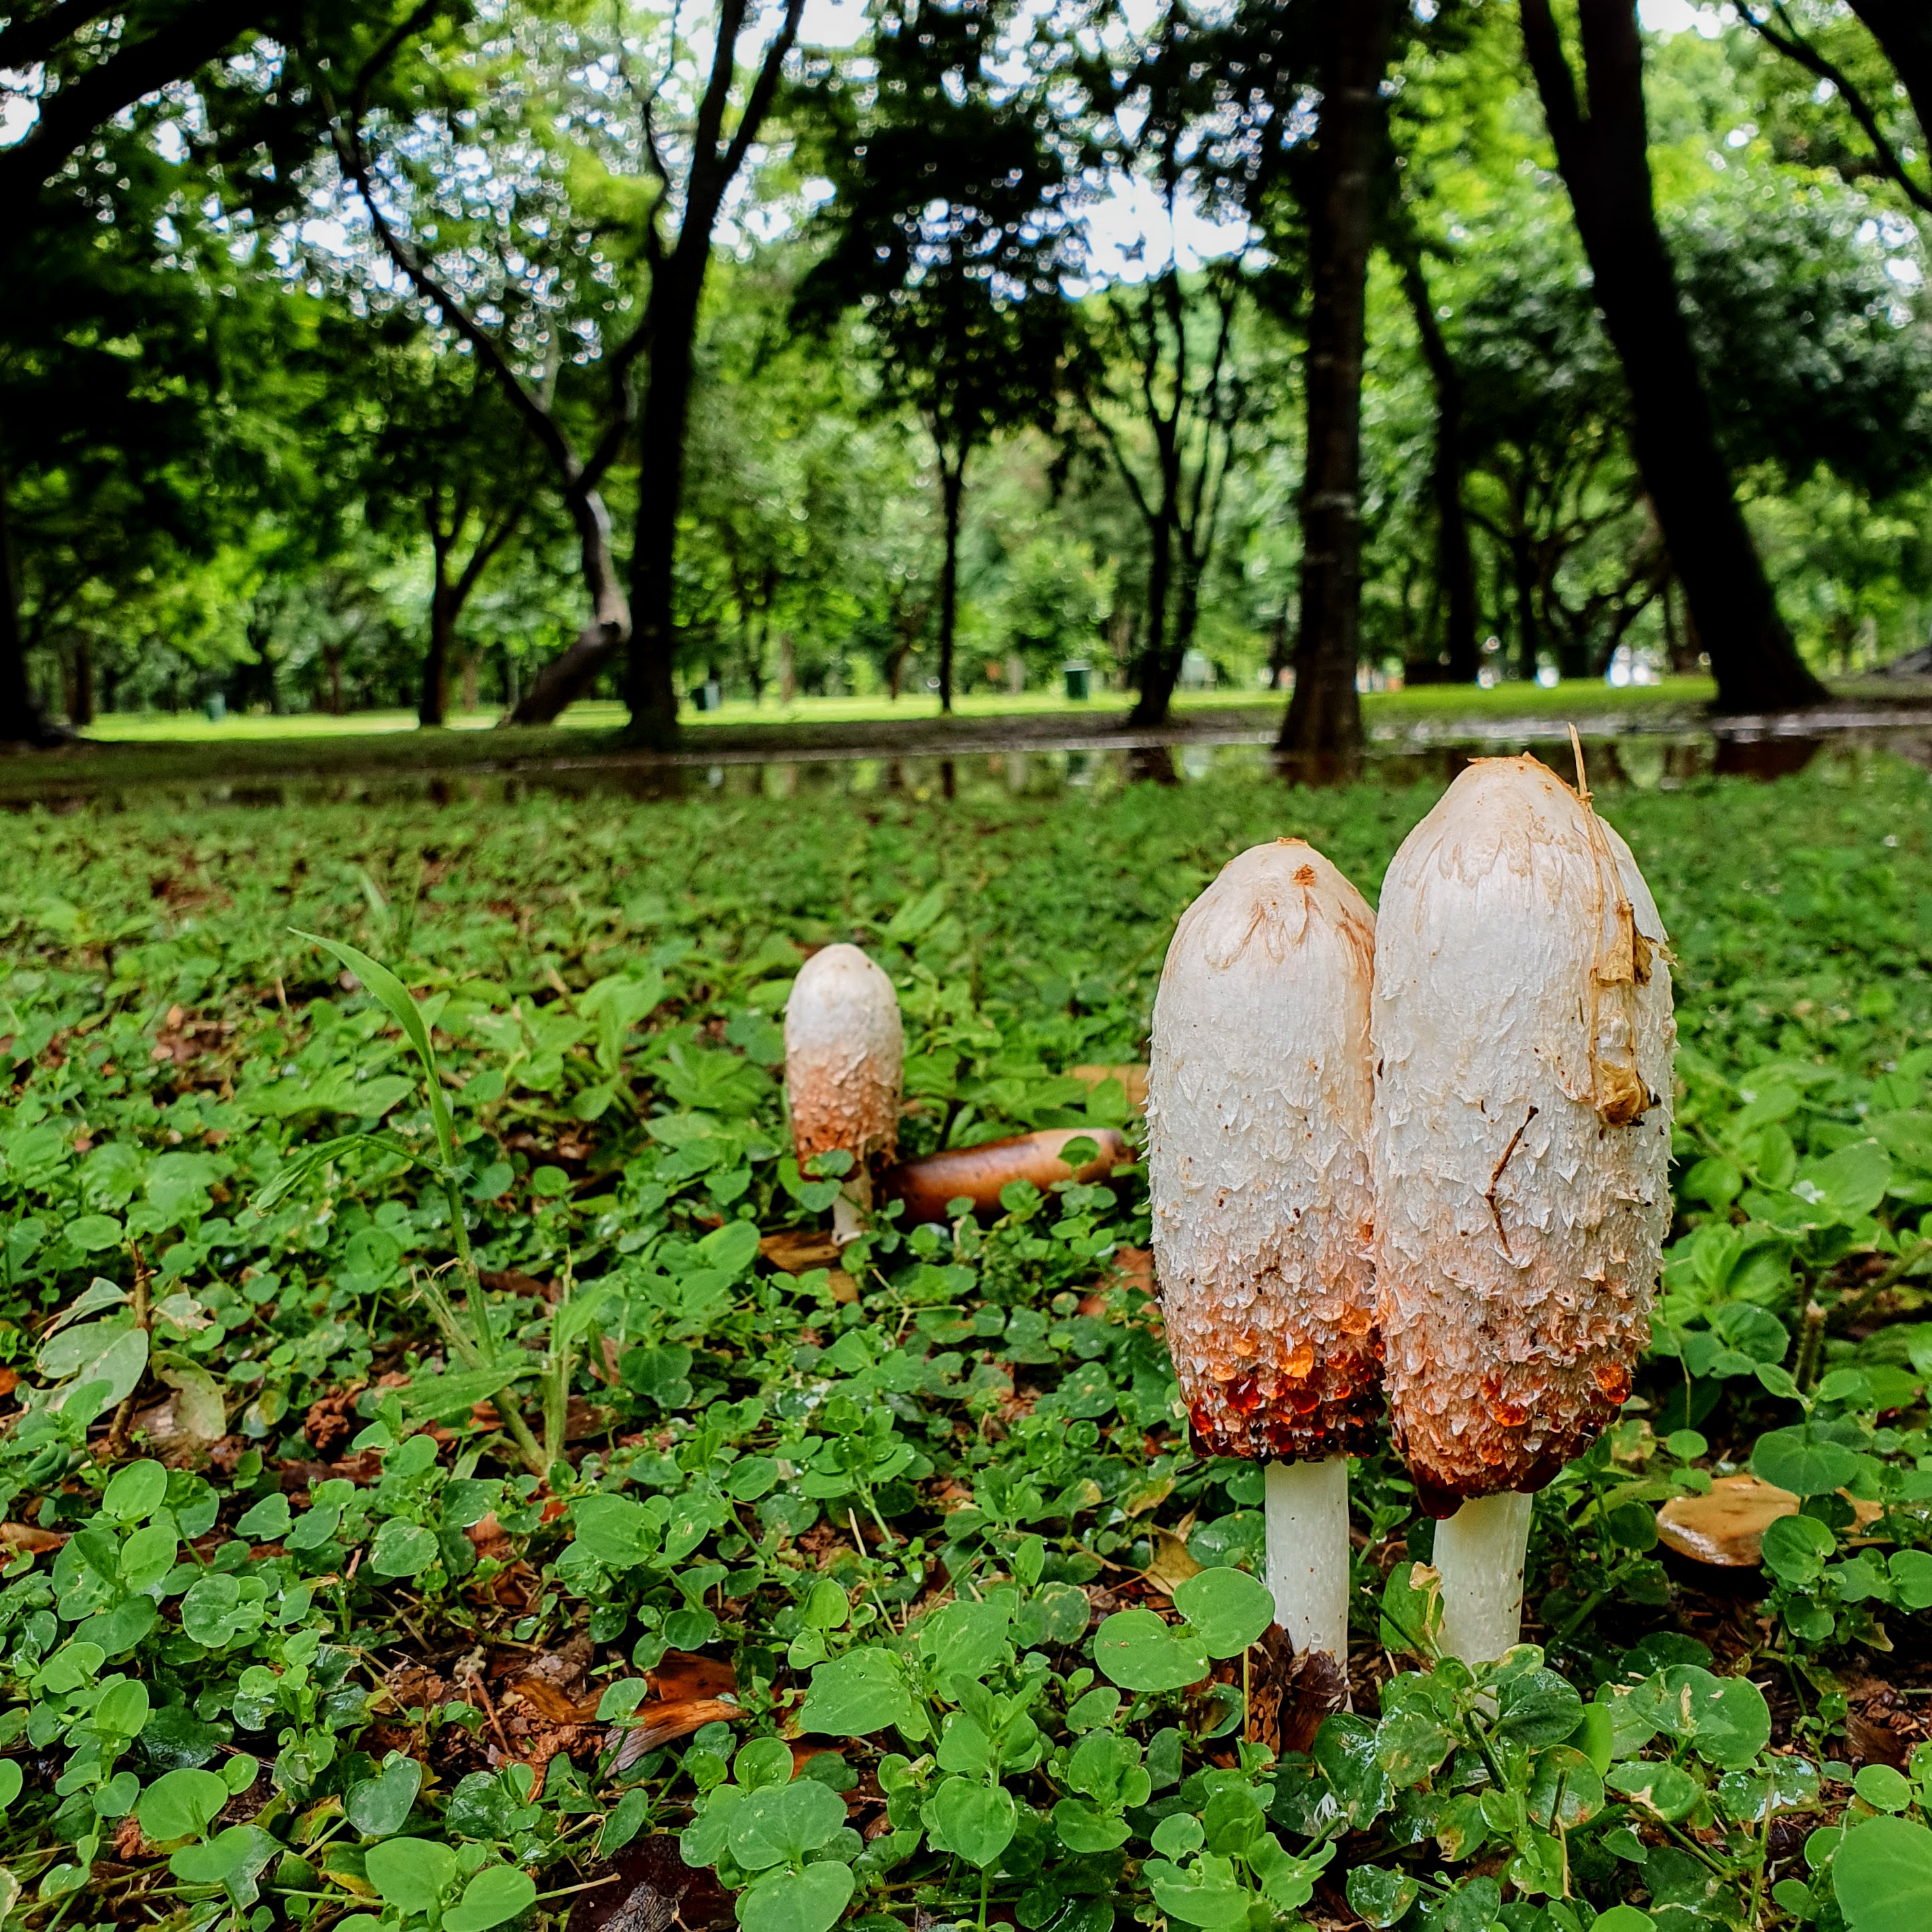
(758, 104)
(710, 122)
(26, 42)
(1554, 81)
(353, 156)
(71, 116)
(1789, 42)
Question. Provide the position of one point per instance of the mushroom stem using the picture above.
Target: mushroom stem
(1307, 1510)
(1479, 1556)
(852, 1211)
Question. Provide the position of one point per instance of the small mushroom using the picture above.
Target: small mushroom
(977, 1174)
(844, 1056)
(1523, 1039)
(1259, 1092)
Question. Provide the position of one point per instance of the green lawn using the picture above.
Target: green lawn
(459, 1427)
(1433, 702)
(186, 748)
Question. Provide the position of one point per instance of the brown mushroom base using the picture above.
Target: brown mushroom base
(1516, 1443)
(1296, 1407)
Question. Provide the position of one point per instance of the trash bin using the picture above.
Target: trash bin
(217, 707)
(1079, 681)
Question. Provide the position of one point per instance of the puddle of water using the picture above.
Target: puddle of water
(1658, 760)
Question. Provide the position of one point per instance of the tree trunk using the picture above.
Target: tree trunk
(650, 687)
(22, 721)
(952, 489)
(1528, 633)
(332, 663)
(1455, 563)
(788, 671)
(433, 706)
(1187, 613)
(1324, 716)
(1903, 29)
(571, 673)
(80, 712)
(1160, 668)
(469, 692)
(1279, 652)
(1605, 163)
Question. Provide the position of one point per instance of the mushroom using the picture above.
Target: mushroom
(978, 1174)
(845, 1055)
(1259, 1098)
(1523, 1038)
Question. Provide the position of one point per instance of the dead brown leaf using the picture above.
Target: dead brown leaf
(1172, 1565)
(1289, 1693)
(795, 1250)
(29, 1536)
(689, 1673)
(330, 1419)
(514, 1281)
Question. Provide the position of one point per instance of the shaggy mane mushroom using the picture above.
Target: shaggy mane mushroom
(844, 1059)
(1259, 1101)
(1523, 1038)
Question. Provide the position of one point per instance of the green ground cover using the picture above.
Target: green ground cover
(459, 1508)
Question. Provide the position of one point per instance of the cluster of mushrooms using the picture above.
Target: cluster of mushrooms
(1419, 1161)
(1422, 1156)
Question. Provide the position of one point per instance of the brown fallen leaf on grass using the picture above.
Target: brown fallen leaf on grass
(656, 1724)
(682, 1674)
(1880, 1728)
(1726, 1528)
(28, 1536)
(330, 1419)
(487, 1538)
(1289, 1693)
(554, 1705)
(514, 1281)
(556, 1685)
(795, 1250)
(1172, 1564)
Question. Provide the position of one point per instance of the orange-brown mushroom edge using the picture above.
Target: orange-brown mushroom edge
(1292, 1400)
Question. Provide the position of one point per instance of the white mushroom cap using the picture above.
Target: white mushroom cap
(1259, 1103)
(1523, 1038)
(845, 1057)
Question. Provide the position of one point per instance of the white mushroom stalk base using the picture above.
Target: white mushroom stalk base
(1307, 1507)
(852, 1211)
(1479, 1556)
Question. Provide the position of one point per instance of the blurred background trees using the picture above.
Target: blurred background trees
(484, 358)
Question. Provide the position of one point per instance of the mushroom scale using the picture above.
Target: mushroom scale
(1259, 1098)
(845, 1057)
(1523, 1038)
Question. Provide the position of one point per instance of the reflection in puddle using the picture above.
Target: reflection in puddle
(1643, 761)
